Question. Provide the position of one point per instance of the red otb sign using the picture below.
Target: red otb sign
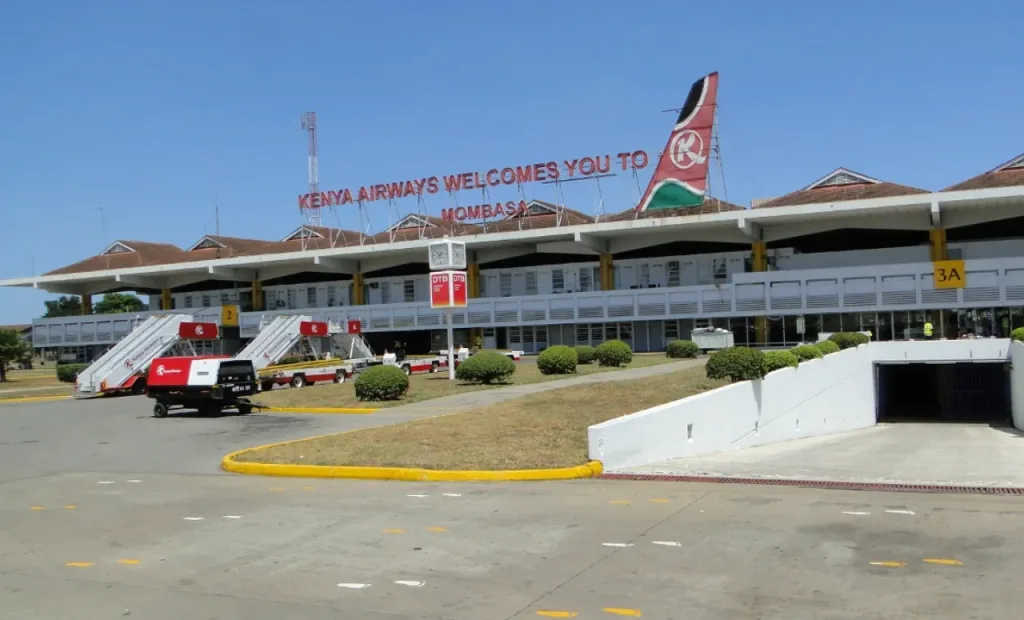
(448, 289)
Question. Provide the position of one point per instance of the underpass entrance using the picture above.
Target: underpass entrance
(943, 392)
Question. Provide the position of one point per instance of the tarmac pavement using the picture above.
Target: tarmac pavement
(107, 512)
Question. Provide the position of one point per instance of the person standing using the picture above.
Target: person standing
(928, 330)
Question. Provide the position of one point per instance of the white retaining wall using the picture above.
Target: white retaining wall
(819, 397)
(1017, 384)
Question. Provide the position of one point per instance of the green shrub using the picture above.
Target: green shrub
(736, 364)
(486, 367)
(848, 340)
(585, 354)
(777, 360)
(381, 383)
(613, 353)
(1018, 334)
(69, 372)
(806, 352)
(291, 359)
(827, 347)
(682, 349)
(557, 360)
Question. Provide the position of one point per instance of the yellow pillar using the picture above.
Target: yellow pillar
(86, 304)
(257, 295)
(473, 290)
(607, 273)
(938, 243)
(759, 262)
(357, 289)
(165, 299)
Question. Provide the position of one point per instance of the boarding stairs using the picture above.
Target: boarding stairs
(148, 340)
(352, 347)
(276, 338)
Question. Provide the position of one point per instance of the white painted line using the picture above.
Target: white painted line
(105, 482)
(354, 586)
(416, 496)
(232, 516)
(855, 512)
(668, 543)
(194, 518)
(452, 494)
(136, 481)
(411, 584)
(617, 544)
(900, 512)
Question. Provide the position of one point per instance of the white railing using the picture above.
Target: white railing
(69, 331)
(990, 282)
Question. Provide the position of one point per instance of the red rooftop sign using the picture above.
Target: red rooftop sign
(495, 177)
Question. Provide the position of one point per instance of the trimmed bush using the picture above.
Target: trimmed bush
(682, 349)
(736, 364)
(381, 383)
(806, 352)
(613, 353)
(557, 360)
(69, 372)
(585, 354)
(485, 367)
(777, 360)
(1018, 334)
(848, 340)
(827, 347)
(292, 359)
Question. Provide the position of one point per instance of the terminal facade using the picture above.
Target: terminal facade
(847, 252)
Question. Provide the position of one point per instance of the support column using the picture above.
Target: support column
(937, 236)
(86, 304)
(759, 263)
(357, 289)
(607, 273)
(257, 295)
(473, 286)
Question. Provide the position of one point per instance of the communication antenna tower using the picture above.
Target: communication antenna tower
(309, 125)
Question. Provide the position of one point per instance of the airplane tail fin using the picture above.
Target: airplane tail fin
(681, 177)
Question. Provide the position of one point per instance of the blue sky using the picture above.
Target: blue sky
(151, 109)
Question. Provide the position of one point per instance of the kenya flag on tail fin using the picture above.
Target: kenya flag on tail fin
(682, 174)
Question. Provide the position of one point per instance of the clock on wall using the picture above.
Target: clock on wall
(447, 254)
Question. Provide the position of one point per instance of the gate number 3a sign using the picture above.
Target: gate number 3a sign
(949, 274)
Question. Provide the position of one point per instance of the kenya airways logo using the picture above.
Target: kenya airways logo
(199, 330)
(681, 178)
(162, 370)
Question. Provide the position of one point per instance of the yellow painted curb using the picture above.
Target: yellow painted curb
(32, 399)
(349, 410)
(228, 463)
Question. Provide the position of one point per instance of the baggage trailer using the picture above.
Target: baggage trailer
(301, 374)
(207, 384)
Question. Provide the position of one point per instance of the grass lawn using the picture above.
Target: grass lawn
(38, 382)
(427, 386)
(548, 429)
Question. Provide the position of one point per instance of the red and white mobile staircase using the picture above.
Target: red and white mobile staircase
(121, 365)
(280, 336)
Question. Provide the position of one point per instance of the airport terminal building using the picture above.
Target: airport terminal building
(846, 252)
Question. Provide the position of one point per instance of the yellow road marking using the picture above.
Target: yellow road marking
(37, 508)
(557, 614)
(659, 500)
(71, 506)
(79, 564)
(633, 613)
(944, 561)
(129, 562)
(437, 529)
(890, 564)
(394, 531)
(308, 488)
(276, 489)
(620, 502)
